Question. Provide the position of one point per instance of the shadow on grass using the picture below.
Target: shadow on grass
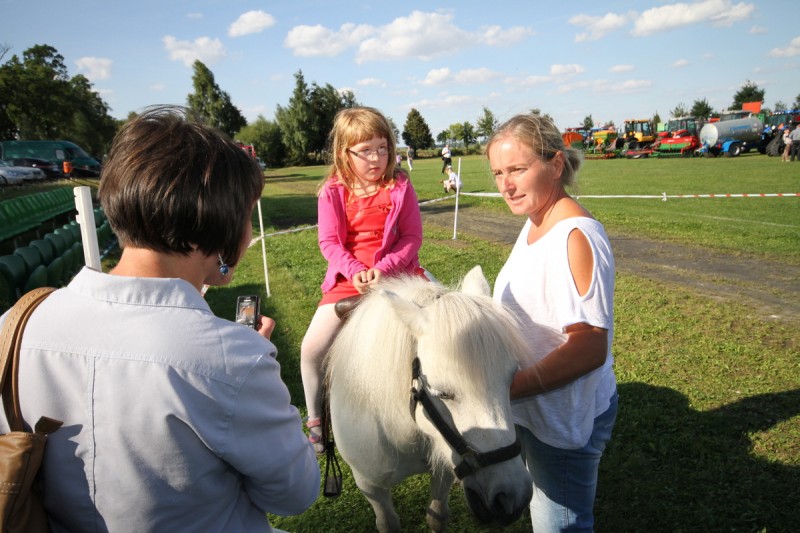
(669, 467)
(291, 177)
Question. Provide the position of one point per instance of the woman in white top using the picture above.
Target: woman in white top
(559, 282)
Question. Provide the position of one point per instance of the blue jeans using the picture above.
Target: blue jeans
(565, 481)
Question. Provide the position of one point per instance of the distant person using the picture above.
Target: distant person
(399, 160)
(795, 137)
(447, 160)
(410, 157)
(559, 282)
(174, 419)
(787, 143)
(452, 183)
(369, 227)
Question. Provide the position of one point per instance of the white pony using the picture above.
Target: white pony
(419, 380)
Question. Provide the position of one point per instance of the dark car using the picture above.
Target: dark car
(50, 169)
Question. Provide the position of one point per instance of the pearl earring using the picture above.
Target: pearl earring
(223, 268)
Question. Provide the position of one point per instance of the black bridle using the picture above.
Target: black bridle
(471, 460)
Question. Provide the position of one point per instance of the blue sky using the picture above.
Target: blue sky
(611, 60)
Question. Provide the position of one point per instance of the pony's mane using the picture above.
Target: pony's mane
(477, 338)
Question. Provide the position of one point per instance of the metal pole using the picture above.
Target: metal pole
(91, 251)
(458, 190)
(263, 247)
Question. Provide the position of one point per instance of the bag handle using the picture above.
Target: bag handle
(10, 342)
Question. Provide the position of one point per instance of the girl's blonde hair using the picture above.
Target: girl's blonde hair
(350, 127)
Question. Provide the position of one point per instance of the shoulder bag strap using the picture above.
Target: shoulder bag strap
(10, 342)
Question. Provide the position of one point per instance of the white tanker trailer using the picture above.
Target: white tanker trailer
(731, 137)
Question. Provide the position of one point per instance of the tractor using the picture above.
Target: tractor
(680, 137)
(638, 134)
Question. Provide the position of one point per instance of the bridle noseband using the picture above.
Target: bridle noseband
(471, 460)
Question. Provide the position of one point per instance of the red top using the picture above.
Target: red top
(366, 219)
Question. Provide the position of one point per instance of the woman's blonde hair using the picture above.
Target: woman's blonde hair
(542, 136)
(350, 127)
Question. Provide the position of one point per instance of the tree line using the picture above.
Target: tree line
(39, 100)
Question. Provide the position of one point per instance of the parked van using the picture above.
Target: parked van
(68, 155)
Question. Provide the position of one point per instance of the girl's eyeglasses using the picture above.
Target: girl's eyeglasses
(368, 154)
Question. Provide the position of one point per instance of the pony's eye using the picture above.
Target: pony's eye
(442, 395)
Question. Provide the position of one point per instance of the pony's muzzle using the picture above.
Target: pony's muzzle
(503, 505)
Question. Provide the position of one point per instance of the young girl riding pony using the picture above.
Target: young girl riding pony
(369, 227)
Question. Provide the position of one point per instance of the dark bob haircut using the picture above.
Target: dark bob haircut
(172, 183)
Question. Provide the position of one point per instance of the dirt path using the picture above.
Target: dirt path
(772, 289)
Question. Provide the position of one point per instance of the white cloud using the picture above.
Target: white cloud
(438, 76)
(621, 68)
(714, 12)
(680, 63)
(758, 30)
(158, 87)
(792, 50)
(94, 68)
(497, 36)
(205, 49)
(559, 71)
(442, 76)
(371, 82)
(419, 36)
(597, 27)
(195, 16)
(251, 22)
(311, 41)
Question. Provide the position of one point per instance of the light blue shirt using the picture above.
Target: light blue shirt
(174, 419)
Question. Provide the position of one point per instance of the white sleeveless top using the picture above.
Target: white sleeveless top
(537, 286)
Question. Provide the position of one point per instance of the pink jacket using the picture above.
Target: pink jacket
(402, 235)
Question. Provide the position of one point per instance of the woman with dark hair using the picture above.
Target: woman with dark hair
(174, 419)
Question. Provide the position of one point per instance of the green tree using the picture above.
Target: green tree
(90, 124)
(796, 104)
(656, 119)
(294, 121)
(416, 132)
(51, 106)
(679, 111)
(588, 122)
(395, 131)
(212, 103)
(463, 132)
(701, 109)
(748, 93)
(265, 136)
(486, 124)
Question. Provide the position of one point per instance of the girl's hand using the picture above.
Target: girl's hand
(265, 326)
(374, 276)
(361, 281)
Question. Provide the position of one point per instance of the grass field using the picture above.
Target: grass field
(708, 435)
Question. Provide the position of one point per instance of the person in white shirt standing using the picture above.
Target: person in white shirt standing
(559, 281)
(174, 419)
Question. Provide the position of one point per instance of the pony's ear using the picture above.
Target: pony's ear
(475, 283)
(409, 313)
